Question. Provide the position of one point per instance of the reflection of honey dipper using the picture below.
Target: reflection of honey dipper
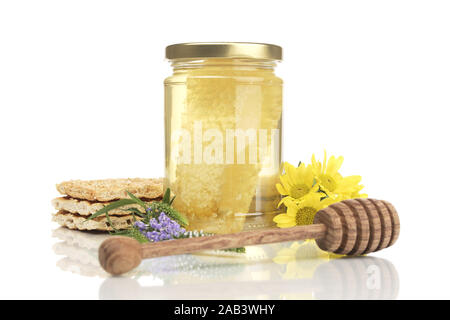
(351, 227)
(367, 278)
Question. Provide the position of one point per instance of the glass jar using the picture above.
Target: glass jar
(223, 107)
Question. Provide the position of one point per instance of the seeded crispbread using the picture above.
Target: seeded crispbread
(112, 189)
(86, 208)
(84, 240)
(77, 222)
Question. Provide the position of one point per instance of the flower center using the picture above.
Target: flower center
(328, 182)
(305, 216)
(299, 190)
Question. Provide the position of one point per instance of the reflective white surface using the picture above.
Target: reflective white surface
(368, 80)
(293, 270)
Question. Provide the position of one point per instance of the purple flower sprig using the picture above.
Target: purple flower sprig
(160, 228)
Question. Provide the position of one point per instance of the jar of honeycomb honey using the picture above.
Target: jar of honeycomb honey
(223, 108)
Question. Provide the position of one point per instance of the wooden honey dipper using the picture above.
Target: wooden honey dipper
(350, 227)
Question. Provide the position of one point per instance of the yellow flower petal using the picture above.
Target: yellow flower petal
(286, 252)
(295, 245)
(281, 189)
(285, 181)
(279, 259)
(282, 201)
(292, 211)
(282, 218)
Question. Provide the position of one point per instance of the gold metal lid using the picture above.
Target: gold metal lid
(246, 50)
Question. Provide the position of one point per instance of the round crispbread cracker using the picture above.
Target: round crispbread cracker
(77, 222)
(112, 189)
(87, 208)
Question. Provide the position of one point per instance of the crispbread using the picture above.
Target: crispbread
(86, 208)
(111, 189)
(77, 222)
(85, 240)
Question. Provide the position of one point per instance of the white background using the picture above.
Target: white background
(81, 97)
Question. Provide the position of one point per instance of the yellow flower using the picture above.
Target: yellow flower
(354, 194)
(306, 249)
(302, 259)
(301, 212)
(286, 255)
(297, 182)
(331, 181)
(310, 188)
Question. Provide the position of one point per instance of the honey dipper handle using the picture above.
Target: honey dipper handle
(234, 240)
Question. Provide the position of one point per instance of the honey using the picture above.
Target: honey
(223, 112)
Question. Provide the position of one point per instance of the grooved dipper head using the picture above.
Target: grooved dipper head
(358, 226)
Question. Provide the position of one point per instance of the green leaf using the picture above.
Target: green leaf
(132, 233)
(136, 211)
(166, 198)
(110, 222)
(237, 250)
(156, 208)
(171, 201)
(137, 200)
(179, 218)
(324, 192)
(111, 206)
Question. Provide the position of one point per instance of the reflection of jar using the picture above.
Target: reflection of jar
(223, 108)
